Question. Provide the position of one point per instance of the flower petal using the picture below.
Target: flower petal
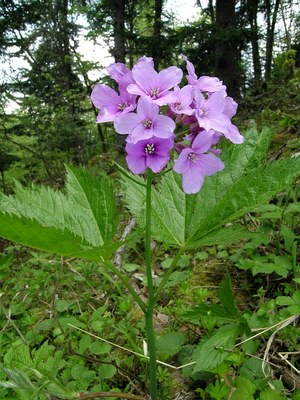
(209, 164)
(169, 77)
(182, 164)
(203, 141)
(191, 181)
(125, 123)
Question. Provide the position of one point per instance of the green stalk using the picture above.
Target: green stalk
(125, 281)
(151, 341)
(168, 273)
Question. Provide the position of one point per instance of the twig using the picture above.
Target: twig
(120, 252)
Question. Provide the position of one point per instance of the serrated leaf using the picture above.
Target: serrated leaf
(212, 351)
(197, 220)
(224, 236)
(293, 302)
(80, 223)
(244, 389)
(95, 195)
(30, 233)
(245, 194)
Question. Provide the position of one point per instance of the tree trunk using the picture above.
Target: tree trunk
(226, 49)
(3, 182)
(271, 22)
(119, 31)
(252, 14)
(156, 39)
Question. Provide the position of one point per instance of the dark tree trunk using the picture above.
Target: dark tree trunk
(119, 31)
(226, 49)
(271, 22)
(252, 14)
(119, 50)
(156, 39)
(3, 182)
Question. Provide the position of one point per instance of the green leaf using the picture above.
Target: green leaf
(224, 236)
(227, 299)
(170, 343)
(80, 223)
(212, 351)
(245, 389)
(270, 394)
(95, 195)
(19, 378)
(106, 371)
(293, 302)
(100, 348)
(198, 220)
(246, 193)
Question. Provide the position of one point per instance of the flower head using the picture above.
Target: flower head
(152, 153)
(145, 123)
(194, 164)
(110, 104)
(155, 85)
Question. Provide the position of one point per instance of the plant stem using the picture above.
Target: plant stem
(125, 281)
(168, 273)
(151, 342)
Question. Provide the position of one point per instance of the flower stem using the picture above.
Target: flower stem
(169, 272)
(125, 281)
(151, 341)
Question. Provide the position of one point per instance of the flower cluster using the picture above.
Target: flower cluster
(202, 108)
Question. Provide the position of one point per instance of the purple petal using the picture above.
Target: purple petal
(163, 127)
(191, 77)
(125, 123)
(230, 107)
(137, 165)
(169, 77)
(140, 133)
(147, 109)
(192, 181)
(157, 162)
(145, 77)
(182, 164)
(216, 102)
(117, 70)
(203, 141)
(232, 133)
(210, 84)
(103, 96)
(209, 164)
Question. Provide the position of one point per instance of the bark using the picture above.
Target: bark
(272, 11)
(252, 15)
(119, 31)
(3, 182)
(119, 50)
(156, 39)
(226, 49)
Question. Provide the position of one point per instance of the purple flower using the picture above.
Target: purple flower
(145, 123)
(155, 85)
(183, 100)
(110, 104)
(117, 70)
(194, 165)
(210, 112)
(152, 153)
(204, 83)
(146, 59)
